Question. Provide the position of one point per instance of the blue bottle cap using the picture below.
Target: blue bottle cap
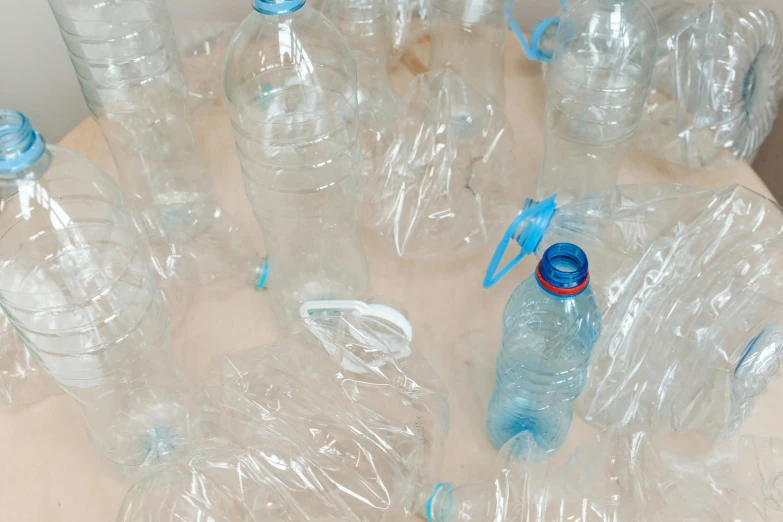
(563, 270)
(277, 7)
(20, 144)
(527, 230)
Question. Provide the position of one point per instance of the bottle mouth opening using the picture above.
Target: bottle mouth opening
(20, 143)
(563, 269)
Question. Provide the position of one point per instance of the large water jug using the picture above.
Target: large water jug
(550, 326)
(597, 83)
(290, 81)
(75, 283)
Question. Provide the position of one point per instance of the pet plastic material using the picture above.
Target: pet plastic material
(365, 24)
(617, 477)
(291, 434)
(202, 45)
(717, 84)
(21, 379)
(596, 87)
(290, 81)
(410, 22)
(469, 36)
(126, 59)
(76, 285)
(449, 178)
(690, 301)
(550, 325)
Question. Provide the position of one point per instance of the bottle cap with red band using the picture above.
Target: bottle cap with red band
(563, 270)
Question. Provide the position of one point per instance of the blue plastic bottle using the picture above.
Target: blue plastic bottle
(550, 326)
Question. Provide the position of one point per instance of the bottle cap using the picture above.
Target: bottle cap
(277, 7)
(527, 230)
(20, 144)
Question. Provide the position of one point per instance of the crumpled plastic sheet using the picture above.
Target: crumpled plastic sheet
(448, 181)
(626, 477)
(717, 84)
(289, 434)
(690, 294)
(22, 381)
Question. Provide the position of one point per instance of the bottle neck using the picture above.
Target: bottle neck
(21, 147)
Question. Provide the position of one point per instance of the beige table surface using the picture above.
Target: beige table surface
(48, 470)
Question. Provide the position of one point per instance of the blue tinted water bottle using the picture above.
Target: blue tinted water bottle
(550, 326)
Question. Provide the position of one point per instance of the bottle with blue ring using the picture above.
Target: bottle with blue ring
(550, 325)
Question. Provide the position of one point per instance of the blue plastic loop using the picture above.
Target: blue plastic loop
(264, 269)
(277, 7)
(527, 230)
(20, 144)
(533, 49)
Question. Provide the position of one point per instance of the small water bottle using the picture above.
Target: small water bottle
(128, 65)
(469, 36)
(290, 82)
(596, 87)
(550, 325)
(75, 283)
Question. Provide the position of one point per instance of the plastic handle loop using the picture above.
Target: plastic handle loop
(277, 7)
(377, 311)
(533, 50)
(527, 230)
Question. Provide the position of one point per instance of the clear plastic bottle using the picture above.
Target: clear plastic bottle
(596, 87)
(290, 81)
(469, 36)
(410, 22)
(366, 25)
(127, 62)
(550, 326)
(76, 285)
(21, 379)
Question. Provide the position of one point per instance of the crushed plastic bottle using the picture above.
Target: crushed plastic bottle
(469, 36)
(717, 83)
(596, 87)
(410, 22)
(290, 81)
(448, 181)
(126, 59)
(76, 285)
(701, 259)
(617, 477)
(550, 325)
(341, 421)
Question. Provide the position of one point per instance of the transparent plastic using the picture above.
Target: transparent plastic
(448, 182)
(469, 36)
(22, 381)
(291, 435)
(202, 46)
(290, 81)
(550, 326)
(410, 22)
(596, 87)
(365, 24)
(617, 477)
(690, 302)
(76, 285)
(127, 62)
(717, 84)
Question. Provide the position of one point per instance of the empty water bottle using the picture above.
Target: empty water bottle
(76, 285)
(469, 36)
(550, 326)
(290, 81)
(366, 25)
(126, 59)
(597, 84)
